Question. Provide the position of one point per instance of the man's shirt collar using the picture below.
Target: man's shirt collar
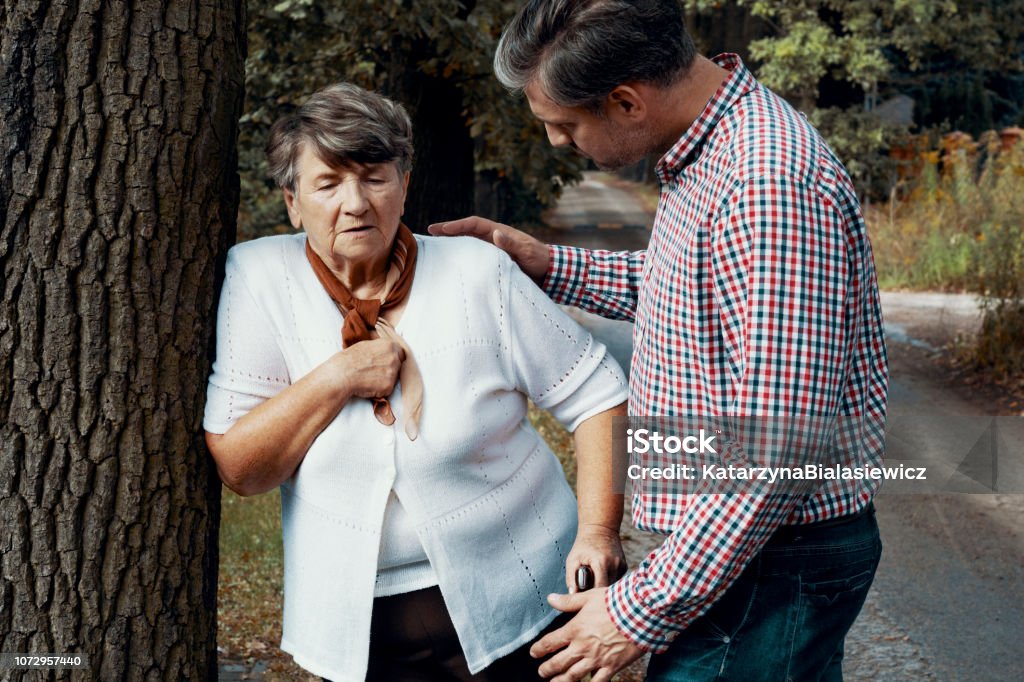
(738, 83)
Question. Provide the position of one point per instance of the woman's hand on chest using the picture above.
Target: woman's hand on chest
(369, 369)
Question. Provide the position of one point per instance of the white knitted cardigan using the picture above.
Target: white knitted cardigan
(487, 498)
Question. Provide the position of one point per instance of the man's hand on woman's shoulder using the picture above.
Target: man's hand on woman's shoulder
(528, 252)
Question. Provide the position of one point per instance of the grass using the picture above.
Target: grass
(960, 227)
(910, 255)
(251, 585)
(945, 229)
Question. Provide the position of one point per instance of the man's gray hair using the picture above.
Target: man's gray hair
(342, 124)
(578, 51)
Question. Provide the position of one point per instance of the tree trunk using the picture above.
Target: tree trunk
(442, 182)
(118, 196)
(731, 27)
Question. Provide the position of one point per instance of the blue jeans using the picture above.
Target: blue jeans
(787, 614)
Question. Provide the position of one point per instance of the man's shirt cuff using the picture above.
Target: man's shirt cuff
(636, 619)
(565, 281)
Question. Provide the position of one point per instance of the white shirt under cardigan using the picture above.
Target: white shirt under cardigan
(486, 498)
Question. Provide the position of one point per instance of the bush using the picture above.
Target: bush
(960, 227)
(999, 266)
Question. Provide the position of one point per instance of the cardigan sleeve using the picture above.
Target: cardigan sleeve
(249, 367)
(555, 361)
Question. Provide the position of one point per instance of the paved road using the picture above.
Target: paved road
(948, 600)
(595, 204)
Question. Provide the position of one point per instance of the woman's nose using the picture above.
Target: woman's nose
(353, 198)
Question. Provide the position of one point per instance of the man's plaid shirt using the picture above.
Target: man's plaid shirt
(755, 297)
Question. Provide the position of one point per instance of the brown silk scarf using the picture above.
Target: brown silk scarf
(363, 319)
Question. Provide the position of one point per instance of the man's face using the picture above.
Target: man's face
(604, 139)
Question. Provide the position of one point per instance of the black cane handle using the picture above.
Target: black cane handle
(584, 578)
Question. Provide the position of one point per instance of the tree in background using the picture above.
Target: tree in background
(477, 149)
(118, 197)
(480, 150)
(837, 60)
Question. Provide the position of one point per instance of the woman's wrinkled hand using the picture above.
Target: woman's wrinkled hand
(370, 368)
(599, 548)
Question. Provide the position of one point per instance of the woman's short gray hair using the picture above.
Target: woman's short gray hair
(342, 124)
(580, 50)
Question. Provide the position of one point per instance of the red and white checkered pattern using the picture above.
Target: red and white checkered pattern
(756, 296)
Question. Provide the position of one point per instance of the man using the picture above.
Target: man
(756, 297)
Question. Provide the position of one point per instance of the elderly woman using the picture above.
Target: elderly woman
(381, 380)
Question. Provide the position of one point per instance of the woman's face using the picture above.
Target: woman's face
(350, 213)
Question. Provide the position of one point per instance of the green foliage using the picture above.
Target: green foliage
(298, 46)
(860, 140)
(868, 50)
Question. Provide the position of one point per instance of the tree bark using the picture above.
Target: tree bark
(118, 193)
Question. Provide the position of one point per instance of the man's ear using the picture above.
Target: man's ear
(626, 103)
(294, 215)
